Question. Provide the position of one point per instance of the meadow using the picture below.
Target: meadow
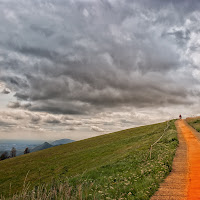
(194, 122)
(111, 166)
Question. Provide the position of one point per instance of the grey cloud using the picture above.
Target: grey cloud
(127, 121)
(26, 105)
(18, 105)
(184, 35)
(180, 36)
(71, 128)
(35, 118)
(42, 30)
(65, 117)
(52, 120)
(14, 105)
(182, 6)
(59, 107)
(15, 82)
(6, 120)
(73, 122)
(38, 52)
(18, 117)
(85, 56)
(6, 124)
(96, 128)
(6, 91)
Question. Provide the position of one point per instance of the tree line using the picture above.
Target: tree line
(12, 153)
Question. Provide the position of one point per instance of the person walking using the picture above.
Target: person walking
(180, 117)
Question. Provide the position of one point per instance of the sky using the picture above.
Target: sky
(81, 68)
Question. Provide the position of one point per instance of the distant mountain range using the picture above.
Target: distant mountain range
(47, 145)
(21, 147)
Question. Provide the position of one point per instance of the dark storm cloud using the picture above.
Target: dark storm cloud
(38, 52)
(183, 35)
(76, 57)
(182, 6)
(56, 109)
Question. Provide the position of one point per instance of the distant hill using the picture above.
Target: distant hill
(38, 147)
(62, 141)
(43, 146)
(47, 145)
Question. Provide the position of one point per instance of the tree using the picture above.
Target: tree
(26, 150)
(13, 152)
(4, 155)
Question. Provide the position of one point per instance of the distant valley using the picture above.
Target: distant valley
(32, 145)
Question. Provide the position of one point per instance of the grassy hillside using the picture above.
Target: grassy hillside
(194, 122)
(110, 166)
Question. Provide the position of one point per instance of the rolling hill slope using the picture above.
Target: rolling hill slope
(115, 164)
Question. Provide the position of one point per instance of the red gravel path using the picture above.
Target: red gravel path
(175, 185)
(184, 180)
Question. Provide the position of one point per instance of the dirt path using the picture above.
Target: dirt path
(192, 138)
(175, 185)
(184, 180)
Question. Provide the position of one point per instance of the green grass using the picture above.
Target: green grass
(194, 122)
(110, 166)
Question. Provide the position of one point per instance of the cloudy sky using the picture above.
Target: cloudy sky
(80, 68)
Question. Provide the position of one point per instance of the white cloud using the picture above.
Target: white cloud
(85, 12)
(52, 119)
(71, 128)
(6, 91)
(96, 128)
(14, 105)
(2, 85)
